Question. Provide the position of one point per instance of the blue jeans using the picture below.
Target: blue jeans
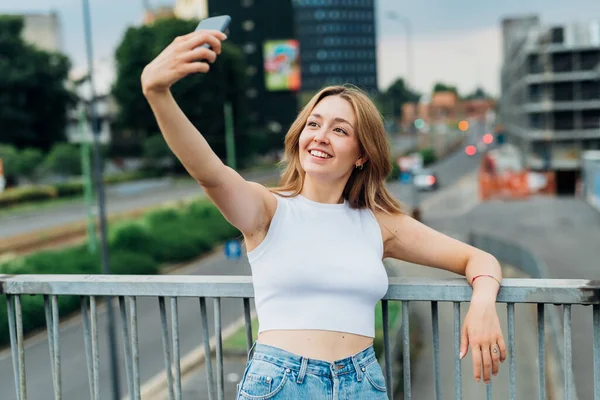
(273, 373)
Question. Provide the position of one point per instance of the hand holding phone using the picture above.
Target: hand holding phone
(191, 53)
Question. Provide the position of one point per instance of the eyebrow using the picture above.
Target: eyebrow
(337, 119)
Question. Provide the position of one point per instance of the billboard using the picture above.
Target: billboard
(282, 65)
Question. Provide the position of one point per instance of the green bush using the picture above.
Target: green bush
(69, 189)
(131, 263)
(161, 217)
(176, 245)
(27, 194)
(395, 174)
(29, 161)
(10, 160)
(64, 159)
(429, 156)
(132, 236)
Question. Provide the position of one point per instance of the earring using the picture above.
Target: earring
(359, 166)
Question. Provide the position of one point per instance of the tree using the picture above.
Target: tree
(64, 159)
(29, 161)
(442, 87)
(10, 160)
(479, 93)
(33, 96)
(200, 96)
(395, 96)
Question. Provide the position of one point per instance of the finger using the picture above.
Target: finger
(476, 354)
(183, 38)
(487, 362)
(200, 53)
(495, 359)
(218, 34)
(464, 342)
(195, 67)
(205, 37)
(502, 348)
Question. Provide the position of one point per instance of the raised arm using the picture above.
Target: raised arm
(244, 204)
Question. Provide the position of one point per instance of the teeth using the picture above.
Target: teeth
(320, 154)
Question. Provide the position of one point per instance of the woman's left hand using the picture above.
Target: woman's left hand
(481, 331)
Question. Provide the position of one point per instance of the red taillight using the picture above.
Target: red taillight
(431, 180)
(488, 138)
(471, 150)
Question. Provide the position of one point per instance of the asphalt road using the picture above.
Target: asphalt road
(448, 170)
(116, 202)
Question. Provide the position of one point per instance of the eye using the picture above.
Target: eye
(311, 123)
(340, 130)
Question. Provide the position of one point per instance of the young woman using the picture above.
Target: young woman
(316, 243)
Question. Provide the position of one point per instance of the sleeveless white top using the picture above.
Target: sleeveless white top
(319, 267)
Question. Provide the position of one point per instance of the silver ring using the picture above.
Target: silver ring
(495, 349)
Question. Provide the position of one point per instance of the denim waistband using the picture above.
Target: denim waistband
(285, 359)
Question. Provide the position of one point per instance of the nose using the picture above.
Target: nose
(321, 136)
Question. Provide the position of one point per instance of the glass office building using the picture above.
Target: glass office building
(337, 43)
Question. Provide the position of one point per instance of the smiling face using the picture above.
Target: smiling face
(328, 145)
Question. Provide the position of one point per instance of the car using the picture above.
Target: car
(426, 179)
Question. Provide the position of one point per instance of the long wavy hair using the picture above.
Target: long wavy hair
(366, 186)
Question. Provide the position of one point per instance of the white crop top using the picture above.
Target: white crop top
(319, 267)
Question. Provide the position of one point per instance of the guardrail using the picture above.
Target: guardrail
(558, 339)
(168, 289)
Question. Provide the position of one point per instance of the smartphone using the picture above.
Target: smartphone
(219, 23)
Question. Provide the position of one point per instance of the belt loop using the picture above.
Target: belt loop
(251, 351)
(302, 372)
(359, 371)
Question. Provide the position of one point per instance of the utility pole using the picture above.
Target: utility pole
(114, 371)
(87, 182)
(229, 135)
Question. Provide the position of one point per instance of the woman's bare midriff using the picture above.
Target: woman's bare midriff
(316, 344)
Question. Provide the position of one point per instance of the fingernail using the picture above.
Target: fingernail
(477, 379)
(487, 382)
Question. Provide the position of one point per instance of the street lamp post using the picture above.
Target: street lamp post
(409, 51)
(101, 200)
(416, 210)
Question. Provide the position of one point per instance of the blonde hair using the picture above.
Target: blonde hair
(366, 186)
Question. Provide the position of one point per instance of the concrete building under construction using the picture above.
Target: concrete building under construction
(550, 94)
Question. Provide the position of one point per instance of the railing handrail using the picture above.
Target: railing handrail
(548, 291)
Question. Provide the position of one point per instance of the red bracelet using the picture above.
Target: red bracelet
(491, 276)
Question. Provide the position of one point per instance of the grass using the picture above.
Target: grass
(394, 310)
(236, 343)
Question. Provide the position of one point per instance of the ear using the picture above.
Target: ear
(361, 160)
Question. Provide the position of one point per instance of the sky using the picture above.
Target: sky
(457, 42)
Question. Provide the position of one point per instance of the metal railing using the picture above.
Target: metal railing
(128, 289)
